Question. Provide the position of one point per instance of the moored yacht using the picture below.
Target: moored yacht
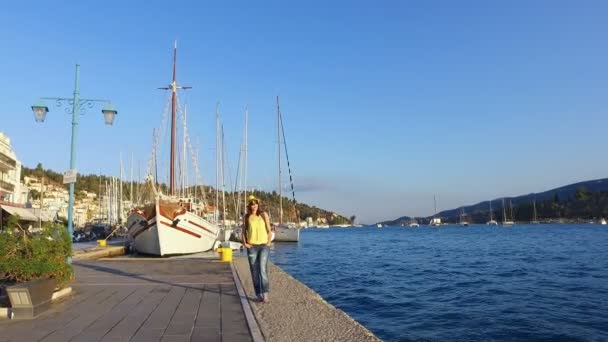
(169, 224)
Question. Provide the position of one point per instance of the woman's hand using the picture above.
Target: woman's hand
(246, 245)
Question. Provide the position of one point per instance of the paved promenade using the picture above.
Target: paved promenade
(143, 300)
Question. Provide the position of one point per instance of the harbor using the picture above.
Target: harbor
(298, 172)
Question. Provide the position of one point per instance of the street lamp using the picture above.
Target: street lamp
(78, 107)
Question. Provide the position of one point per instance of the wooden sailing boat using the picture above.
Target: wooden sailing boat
(284, 232)
(170, 223)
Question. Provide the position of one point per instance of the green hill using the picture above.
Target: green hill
(292, 211)
(582, 201)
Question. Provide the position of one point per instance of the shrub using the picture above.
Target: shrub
(25, 256)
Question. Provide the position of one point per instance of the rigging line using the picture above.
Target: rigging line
(193, 154)
(162, 133)
(237, 185)
(225, 151)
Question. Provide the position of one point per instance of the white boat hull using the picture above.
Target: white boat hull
(283, 234)
(164, 231)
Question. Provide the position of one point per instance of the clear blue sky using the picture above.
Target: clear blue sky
(385, 103)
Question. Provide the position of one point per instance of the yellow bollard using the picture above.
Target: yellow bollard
(102, 243)
(225, 254)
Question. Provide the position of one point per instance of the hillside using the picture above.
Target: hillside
(586, 200)
(270, 200)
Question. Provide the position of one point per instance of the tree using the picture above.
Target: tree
(582, 194)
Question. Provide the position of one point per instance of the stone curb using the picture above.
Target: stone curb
(254, 328)
(101, 253)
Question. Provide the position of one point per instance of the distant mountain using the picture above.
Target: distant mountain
(579, 201)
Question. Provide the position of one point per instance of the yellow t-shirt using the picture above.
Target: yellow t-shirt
(256, 234)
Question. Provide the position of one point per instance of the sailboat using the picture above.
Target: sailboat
(506, 222)
(534, 218)
(169, 223)
(463, 218)
(492, 221)
(435, 221)
(284, 232)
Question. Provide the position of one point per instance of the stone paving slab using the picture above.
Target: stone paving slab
(152, 300)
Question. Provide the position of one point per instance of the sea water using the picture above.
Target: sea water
(476, 283)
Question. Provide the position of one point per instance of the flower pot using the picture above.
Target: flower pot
(31, 298)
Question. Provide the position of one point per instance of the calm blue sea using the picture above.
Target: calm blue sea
(526, 283)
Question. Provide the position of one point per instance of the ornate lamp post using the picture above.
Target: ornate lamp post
(78, 107)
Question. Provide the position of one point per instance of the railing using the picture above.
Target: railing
(7, 165)
(6, 185)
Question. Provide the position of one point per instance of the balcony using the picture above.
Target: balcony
(6, 186)
(6, 164)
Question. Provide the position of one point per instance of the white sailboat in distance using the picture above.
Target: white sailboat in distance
(284, 232)
(492, 221)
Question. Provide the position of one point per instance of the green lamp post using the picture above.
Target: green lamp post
(78, 106)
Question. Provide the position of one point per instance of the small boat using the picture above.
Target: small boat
(379, 225)
(492, 221)
(463, 219)
(534, 217)
(414, 224)
(286, 233)
(435, 221)
(603, 221)
(507, 222)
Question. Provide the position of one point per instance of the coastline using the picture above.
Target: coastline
(296, 312)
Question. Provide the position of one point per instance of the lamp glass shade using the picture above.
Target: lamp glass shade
(40, 111)
(109, 113)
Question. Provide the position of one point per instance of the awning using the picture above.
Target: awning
(24, 213)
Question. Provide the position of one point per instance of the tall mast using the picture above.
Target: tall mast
(245, 164)
(173, 126)
(490, 210)
(223, 181)
(119, 193)
(173, 87)
(279, 144)
(183, 167)
(435, 201)
(217, 161)
(504, 212)
(131, 188)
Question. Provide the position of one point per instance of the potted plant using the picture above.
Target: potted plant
(33, 265)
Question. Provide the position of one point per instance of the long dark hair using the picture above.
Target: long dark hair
(260, 212)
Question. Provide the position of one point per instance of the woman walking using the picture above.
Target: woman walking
(256, 237)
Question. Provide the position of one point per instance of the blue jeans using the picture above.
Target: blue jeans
(258, 262)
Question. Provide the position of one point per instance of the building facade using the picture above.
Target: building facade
(11, 189)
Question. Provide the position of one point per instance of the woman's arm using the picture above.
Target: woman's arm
(268, 228)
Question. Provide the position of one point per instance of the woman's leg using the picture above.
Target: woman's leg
(264, 280)
(254, 266)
